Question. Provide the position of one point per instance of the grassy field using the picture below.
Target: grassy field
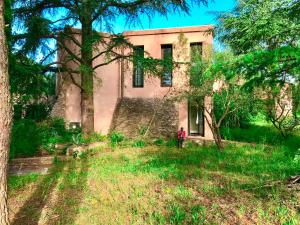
(162, 185)
(263, 133)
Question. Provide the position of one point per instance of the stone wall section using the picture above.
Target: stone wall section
(134, 115)
(59, 108)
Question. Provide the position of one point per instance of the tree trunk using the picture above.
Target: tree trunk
(218, 138)
(87, 99)
(214, 128)
(5, 120)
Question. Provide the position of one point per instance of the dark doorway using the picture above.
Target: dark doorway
(196, 120)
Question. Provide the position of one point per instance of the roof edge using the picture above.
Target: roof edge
(186, 29)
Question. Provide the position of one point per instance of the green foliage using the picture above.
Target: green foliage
(25, 138)
(297, 157)
(177, 214)
(116, 138)
(139, 143)
(255, 24)
(77, 139)
(27, 79)
(241, 114)
(209, 82)
(52, 132)
(28, 136)
(159, 142)
(265, 39)
(260, 132)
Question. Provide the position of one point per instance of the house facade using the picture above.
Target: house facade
(131, 101)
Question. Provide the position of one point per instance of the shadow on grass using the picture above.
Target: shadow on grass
(57, 196)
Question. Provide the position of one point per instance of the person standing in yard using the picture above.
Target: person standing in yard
(180, 137)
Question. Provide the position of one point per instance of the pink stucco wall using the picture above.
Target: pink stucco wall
(108, 91)
(106, 95)
(152, 41)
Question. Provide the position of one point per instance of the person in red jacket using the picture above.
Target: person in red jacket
(180, 137)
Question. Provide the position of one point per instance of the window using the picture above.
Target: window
(138, 71)
(196, 119)
(196, 63)
(196, 52)
(167, 55)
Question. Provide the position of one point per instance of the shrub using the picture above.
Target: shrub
(139, 144)
(28, 136)
(37, 112)
(241, 116)
(159, 142)
(25, 138)
(77, 139)
(116, 138)
(297, 157)
(52, 132)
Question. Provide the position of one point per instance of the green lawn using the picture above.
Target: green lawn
(161, 185)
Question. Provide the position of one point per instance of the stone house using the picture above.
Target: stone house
(132, 102)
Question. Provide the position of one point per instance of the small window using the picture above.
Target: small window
(196, 52)
(138, 71)
(167, 55)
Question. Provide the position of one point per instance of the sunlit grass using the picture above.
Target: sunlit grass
(163, 185)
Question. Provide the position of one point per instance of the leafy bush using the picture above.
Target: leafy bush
(25, 138)
(77, 139)
(139, 144)
(52, 132)
(37, 112)
(116, 138)
(29, 136)
(159, 142)
(241, 116)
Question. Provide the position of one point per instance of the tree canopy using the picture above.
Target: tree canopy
(265, 38)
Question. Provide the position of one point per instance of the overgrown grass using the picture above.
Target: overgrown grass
(164, 185)
(260, 132)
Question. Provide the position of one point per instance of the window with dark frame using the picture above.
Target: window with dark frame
(167, 56)
(196, 51)
(195, 59)
(138, 71)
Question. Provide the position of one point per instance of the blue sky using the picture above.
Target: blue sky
(198, 16)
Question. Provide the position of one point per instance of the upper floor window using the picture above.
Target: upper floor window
(167, 55)
(138, 71)
(196, 52)
(196, 63)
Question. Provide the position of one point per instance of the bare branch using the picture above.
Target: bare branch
(111, 60)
